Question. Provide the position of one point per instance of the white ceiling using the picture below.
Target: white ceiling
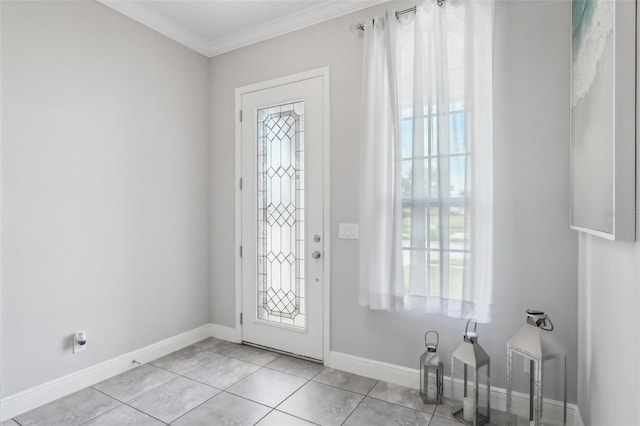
(213, 27)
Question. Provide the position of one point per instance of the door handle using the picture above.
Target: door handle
(316, 254)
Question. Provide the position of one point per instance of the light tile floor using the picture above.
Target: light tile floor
(215, 382)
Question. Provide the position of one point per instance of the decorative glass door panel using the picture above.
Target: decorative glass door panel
(282, 214)
(280, 203)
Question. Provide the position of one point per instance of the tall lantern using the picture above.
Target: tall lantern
(431, 371)
(532, 355)
(470, 381)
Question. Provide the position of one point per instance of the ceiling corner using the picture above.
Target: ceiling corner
(246, 36)
(160, 24)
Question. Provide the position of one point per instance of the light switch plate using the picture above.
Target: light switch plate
(348, 231)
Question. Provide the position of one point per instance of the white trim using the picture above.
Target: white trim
(378, 370)
(238, 215)
(166, 27)
(225, 333)
(286, 24)
(323, 72)
(410, 377)
(29, 399)
(305, 75)
(246, 36)
(577, 418)
(326, 202)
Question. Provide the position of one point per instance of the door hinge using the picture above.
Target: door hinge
(240, 184)
(240, 251)
(240, 318)
(240, 115)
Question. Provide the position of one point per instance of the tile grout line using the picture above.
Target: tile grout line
(221, 390)
(197, 406)
(354, 409)
(297, 417)
(177, 375)
(153, 417)
(121, 404)
(228, 355)
(225, 390)
(293, 393)
(102, 414)
(338, 387)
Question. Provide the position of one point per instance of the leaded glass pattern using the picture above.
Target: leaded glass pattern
(280, 203)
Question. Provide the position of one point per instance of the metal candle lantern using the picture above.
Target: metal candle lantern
(531, 352)
(470, 381)
(431, 372)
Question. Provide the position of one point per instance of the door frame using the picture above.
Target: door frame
(326, 192)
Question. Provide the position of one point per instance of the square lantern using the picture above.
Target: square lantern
(431, 372)
(470, 381)
(537, 370)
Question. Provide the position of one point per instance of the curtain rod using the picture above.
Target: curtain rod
(360, 26)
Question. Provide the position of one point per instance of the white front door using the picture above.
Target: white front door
(282, 215)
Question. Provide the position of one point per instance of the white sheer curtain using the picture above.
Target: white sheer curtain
(426, 167)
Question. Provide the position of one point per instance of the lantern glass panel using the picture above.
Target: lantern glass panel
(431, 371)
(464, 405)
(432, 384)
(458, 388)
(432, 380)
(483, 391)
(520, 407)
(525, 402)
(553, 387)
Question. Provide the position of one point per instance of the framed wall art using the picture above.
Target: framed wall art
(603, 118)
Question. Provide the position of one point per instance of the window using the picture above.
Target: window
(426, 166)
(435, 246)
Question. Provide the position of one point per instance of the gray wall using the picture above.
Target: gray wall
(104, 188)
(535, 252)
(609, 332)
(609, 329)
(106, 173)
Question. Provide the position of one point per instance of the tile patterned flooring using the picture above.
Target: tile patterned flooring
(215, 382)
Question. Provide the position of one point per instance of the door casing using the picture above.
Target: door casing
(318, 72)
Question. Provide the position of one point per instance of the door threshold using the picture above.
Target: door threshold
(291, 354)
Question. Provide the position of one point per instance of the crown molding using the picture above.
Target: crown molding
(160, 24)
(289, 23)
(246, 36)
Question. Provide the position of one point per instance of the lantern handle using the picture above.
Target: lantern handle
(437, 338)
(475, 327)
(539, 319)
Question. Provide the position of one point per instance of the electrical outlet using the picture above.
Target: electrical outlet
(79, 342)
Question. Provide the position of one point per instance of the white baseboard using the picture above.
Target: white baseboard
(410, 377)
(577, 418)
(225, 333)
(29, 399)
(391, 373)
